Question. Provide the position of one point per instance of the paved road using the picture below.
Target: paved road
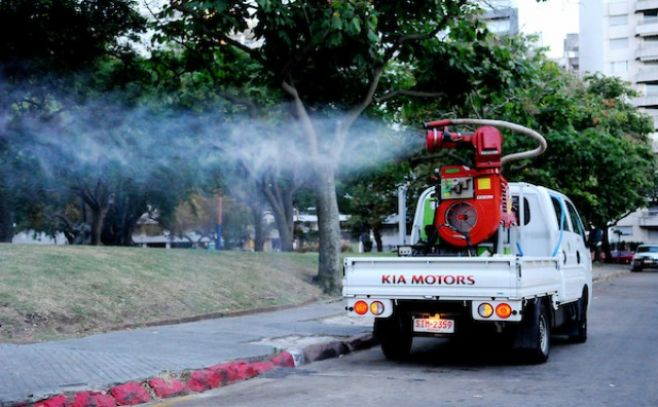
(618, 366)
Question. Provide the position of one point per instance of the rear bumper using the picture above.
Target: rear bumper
(643, 263)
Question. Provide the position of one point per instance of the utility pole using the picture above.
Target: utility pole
(402, 214)
(220, 213)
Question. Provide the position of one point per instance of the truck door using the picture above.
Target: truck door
(581, 251)
(566, 249)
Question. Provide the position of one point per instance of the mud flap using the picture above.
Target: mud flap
(523, 338)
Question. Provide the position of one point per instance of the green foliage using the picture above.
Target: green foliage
(599, 153)
(404, 62)
(46, 36)
(371, 197)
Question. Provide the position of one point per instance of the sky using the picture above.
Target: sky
(552, 19)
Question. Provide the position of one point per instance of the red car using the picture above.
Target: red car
(622, 256)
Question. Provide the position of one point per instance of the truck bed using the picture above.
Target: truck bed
(450, 278)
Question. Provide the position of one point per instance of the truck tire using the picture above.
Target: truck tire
(533, 339)
(394, 336)
(636, 269)
(579, 332)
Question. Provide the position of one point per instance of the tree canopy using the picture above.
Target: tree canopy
(264, 99)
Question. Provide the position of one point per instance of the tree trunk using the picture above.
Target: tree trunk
(97, 218)
(329, 273)
(6, 224)
(606, 245)
(378, 238)
(279, 195)
(259, 238)
(285, 230)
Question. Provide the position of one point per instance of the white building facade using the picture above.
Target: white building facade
(620, 38)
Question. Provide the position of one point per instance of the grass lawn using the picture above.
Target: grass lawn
(49, 292)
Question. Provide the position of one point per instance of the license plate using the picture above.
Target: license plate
(648, 261)
(436, 326)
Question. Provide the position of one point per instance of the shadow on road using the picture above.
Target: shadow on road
(487, 351)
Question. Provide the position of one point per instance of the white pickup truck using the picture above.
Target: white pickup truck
(531, 280)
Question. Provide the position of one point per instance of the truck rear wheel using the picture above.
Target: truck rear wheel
(533, 339)
(394, 336)
(579, 332)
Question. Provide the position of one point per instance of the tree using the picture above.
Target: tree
(598, 151)
(49, 47)
(329, 59)
(371, 197)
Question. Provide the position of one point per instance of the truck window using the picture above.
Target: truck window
(558, 214)
(575, 220)
(526, 209)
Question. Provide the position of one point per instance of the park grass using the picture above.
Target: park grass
(49, 292)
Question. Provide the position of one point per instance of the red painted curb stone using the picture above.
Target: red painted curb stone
(93, 399)
(165, 388)
(132, 393)
(238, 371)
(284, 359)
(55, 401)
(129, 394)
(202, 380)
(262, 367)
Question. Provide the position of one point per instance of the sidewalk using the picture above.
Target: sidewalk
(32, 372)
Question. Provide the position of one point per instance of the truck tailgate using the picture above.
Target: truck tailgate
(447, 277)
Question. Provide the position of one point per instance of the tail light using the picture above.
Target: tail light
(485, 310)
(503, 310)
(377, 308)
(361, 307)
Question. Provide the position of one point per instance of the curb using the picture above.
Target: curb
(609, 276)
(213, 315)
(175, 384)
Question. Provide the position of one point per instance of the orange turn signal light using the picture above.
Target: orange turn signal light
(360, 307)
(503, 310)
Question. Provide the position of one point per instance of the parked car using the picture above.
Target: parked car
(622, 256)
(646, 256)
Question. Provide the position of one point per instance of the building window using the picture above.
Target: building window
(652, 90)
(650, 17)
(618, 67)
(499, 26)
(618, 20)
(619, 43)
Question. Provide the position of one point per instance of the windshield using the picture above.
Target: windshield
(647, 249)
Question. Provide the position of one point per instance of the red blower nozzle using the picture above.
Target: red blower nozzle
(433, 139)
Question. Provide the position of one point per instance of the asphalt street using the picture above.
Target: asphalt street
(618, 366)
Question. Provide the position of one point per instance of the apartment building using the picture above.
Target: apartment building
(501, 16)
(620, 38)
(570, 56)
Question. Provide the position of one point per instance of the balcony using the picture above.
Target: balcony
(647, 75)
(649, 102)
(647, 28)
(647, 53)
(649, 221)
(645, 5)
